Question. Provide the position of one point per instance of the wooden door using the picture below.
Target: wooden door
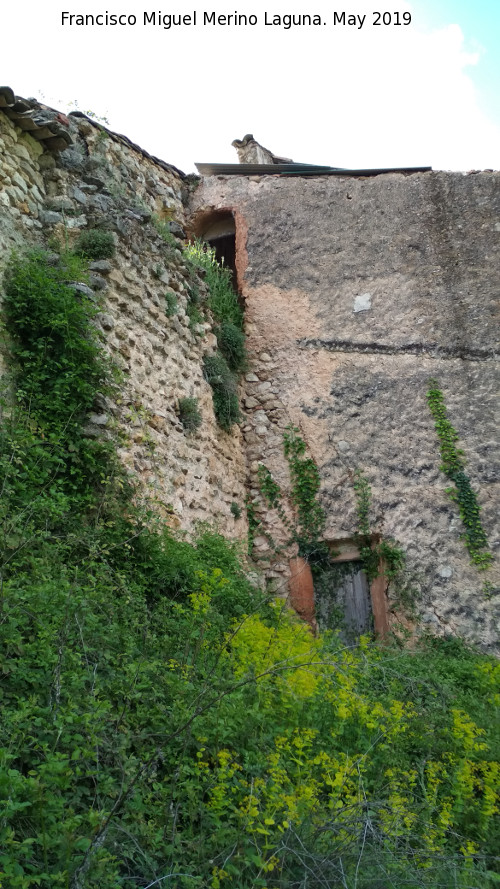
(342, 600)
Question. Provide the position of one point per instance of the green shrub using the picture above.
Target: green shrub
(231, 342)
(171, 305)
(58, 367)
(222, 301)
(223, 383)
(193, 307)
(95, 243)
(189, 414)
(161, 719)
(235, 510)
(223, 304)
(163, 229)
(59, 361)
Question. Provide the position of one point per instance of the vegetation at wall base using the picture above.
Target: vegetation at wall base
(462, 493)
(164, 724)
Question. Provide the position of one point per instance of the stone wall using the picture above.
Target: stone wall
(357, 291)
(102, 180)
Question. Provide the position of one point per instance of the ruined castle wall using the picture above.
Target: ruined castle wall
(357, 292)
(103, 181)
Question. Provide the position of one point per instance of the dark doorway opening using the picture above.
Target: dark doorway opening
(219, 231)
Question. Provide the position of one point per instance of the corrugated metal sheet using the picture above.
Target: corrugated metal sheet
(297, 170)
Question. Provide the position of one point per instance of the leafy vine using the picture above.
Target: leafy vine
(306, 526)
(254, 522)
(453, 465)
(305, 478)
(374, 553)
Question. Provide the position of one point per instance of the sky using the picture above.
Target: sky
(348, 95)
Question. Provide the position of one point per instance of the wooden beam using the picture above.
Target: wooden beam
(352, 555)
(378, 590)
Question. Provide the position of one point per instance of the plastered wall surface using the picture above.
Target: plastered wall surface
(103, 181)
(357, 292)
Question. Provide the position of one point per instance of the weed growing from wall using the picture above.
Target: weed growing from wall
(453, 465)
(226, 406)
(98, 118)
(189, 414)
(305, 478)
(171, 305)
(369, 553)
(194, 309)
(162, 229)
(222, 299)
(95, 243)
(231, 342)
(235, 509)
(221, 370)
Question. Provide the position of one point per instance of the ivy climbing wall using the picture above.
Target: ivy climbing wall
(358, 292)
